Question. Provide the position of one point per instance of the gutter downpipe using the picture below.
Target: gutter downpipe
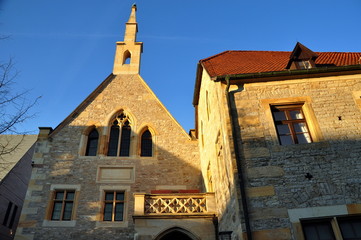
(238, 161)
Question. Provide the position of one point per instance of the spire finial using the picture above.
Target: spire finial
(132, 17)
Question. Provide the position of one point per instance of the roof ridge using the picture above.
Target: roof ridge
(231, 51)
(339, 52)
(213, 56)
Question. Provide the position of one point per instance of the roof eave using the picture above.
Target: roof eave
(292, 74)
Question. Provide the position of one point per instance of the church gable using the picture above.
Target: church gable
(126, 95)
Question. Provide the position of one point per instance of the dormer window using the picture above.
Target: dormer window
(301, 58)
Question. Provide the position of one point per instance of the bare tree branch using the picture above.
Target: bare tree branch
(15, 108)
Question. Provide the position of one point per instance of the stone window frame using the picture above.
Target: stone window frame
(106, 133)
(293, 136)
(114, 203)
(311, 120)
(84, 140)
(113, 224)
(48, 222)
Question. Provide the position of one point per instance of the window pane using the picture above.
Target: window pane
(113, 141)
(70, 195)
(56, 211)
(108, 208)
(325, 232)
(120, 196)
(318, 231)
(300, 127)
(286, 140)
(59, 195)
(350, 229)
(109, 196)
(304, 138)
(296, 114)
(119, 212)
(283, 129)
(310, 232)
(67, 210)
(279, 116)
(125, 140)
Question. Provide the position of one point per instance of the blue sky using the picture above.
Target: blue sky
(64, 49)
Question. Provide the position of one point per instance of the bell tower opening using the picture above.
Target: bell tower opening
(126, 58)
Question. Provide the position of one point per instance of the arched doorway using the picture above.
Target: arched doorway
(176, 234)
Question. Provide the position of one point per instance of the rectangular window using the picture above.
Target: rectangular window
(291, 125)
(63, 202)
(113, 206)
(10, 215)
(347, 228)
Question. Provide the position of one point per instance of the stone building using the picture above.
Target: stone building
(279, 140)
(274, 154)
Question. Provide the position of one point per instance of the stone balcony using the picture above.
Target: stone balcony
(178, 205)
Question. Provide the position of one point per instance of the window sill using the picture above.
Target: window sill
(312, 145)
(111, 224)
(49, 223)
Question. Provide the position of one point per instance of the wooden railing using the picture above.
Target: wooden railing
(174, 204)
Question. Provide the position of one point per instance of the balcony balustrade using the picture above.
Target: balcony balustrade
(174, 204)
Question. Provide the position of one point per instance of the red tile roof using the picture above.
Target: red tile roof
(241, 62)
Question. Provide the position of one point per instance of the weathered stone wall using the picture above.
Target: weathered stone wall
(276, 182)
(217, 155)
(59, 163)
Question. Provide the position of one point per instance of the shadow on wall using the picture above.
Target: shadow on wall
(175, 169)
(278, 178)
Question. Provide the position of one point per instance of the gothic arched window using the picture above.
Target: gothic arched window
(119, 139)
(92, 143)
(146, 144)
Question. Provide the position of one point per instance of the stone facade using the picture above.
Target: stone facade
(283, 184)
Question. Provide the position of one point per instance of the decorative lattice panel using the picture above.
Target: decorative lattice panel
(175, 205)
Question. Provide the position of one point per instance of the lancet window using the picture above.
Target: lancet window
(92, 143)
(146, 149)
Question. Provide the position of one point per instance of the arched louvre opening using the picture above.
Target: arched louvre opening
(127, 57)
(92, 144)
(146, 149)
(119, 138)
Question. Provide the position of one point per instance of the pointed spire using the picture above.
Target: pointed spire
(131, 27)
